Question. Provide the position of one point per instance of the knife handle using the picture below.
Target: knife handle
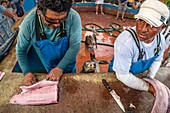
(106, 85)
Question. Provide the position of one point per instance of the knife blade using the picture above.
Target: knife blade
(114, 95)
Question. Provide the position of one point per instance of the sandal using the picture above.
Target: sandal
(123, 19)
(116, 18)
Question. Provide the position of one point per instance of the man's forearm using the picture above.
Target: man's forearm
(153, 69)
(132, 81)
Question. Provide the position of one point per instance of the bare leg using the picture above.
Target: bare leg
(118, 11)
(123, 13)
(97, 7)
(101, 9)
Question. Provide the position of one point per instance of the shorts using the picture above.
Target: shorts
(122, 6)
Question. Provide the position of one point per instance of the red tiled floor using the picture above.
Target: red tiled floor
(102, 52)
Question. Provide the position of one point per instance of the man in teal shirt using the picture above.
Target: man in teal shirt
(51, 13)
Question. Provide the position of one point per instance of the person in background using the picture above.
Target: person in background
(136, 5)
(73, 1)
(14, 10)
(58, 22)
(10, 20)
(121, 6)
(166, 33)
(99, 4)
(141, 48)
(18, 5)
(7, 13)
(83, 1)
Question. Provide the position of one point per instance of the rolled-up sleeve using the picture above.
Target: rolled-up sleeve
(75, 34)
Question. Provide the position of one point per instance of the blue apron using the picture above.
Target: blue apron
(53, 52)
(137, 67)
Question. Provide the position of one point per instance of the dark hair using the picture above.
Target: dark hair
(3, 1)
(54, 5)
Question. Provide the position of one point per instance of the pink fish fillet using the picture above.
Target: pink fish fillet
(43, 92)
(162, 98)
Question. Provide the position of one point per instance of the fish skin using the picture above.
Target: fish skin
(162, 96)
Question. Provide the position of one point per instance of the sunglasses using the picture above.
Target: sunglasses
(54, 21)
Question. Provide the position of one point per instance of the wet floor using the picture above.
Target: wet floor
(103, 52)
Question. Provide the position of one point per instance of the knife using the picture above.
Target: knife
(114, 95)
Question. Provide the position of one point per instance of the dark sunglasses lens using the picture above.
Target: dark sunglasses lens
(50, 21)
(54, 21)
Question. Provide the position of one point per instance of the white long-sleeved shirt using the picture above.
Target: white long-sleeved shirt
(126, 53)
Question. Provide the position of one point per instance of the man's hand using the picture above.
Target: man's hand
(29, 79)
(55, 74)
(151, 90)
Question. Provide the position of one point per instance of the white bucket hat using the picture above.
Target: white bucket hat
(153, 12)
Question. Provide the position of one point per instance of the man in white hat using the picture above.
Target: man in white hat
(141, 48)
